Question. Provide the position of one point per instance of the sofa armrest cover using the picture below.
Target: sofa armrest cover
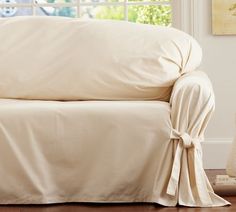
(192, 103)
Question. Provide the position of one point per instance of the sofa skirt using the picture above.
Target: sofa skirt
(84, 151)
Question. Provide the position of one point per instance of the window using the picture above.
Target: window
(140, 11)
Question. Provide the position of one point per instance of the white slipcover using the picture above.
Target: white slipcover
(70, 59)
(108, 151)
(192, 103)
(101, 151)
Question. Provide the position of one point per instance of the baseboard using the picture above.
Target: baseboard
(215, 153)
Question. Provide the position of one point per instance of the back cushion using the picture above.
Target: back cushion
(55, 58)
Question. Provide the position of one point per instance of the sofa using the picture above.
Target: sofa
(102, 111)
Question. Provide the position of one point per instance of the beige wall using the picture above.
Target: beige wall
(219, 61)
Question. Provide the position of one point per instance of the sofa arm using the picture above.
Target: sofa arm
(192, 103)
(194, 86)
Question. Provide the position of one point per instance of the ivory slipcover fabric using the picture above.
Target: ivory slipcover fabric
(70, 59)
(192, 103)
(108, 151)
(101, 151)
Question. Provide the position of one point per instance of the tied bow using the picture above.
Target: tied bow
(185, 142)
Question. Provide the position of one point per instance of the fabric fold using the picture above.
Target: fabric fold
(192, 103)
(138, 61)
(84, 151)
(184, 142)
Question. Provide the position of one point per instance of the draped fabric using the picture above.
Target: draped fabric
(108, 151)
(84, 151)
(68, 150)
(74, 59)
(192, 103)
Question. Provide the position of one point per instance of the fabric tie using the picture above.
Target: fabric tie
(185, 142)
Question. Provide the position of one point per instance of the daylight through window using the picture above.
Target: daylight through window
(139, 11)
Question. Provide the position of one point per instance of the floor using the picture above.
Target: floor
(120, 207)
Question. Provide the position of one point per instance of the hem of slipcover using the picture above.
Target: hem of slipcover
(205, 206)
(58, 200)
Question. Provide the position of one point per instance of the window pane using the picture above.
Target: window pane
(15, 1)
(15, 11)
(57, 11)
(55, 1)
(150, 14)
(162, 1)
(103, 12)
(101, 1)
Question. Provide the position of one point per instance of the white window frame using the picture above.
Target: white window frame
(186, 16)
(78, 4)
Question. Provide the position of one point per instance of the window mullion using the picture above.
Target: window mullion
(33, 6)
(126, 10)
(78, 8)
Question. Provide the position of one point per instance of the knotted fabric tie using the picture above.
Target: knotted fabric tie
(185, 142)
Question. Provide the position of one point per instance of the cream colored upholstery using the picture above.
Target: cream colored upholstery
(102, 151)
(91, 60)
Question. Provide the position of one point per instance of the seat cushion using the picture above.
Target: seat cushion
(83, 151)
(55, 58)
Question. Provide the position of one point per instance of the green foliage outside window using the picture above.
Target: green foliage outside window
(147, 14)
(110, 12)
(150, 14)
